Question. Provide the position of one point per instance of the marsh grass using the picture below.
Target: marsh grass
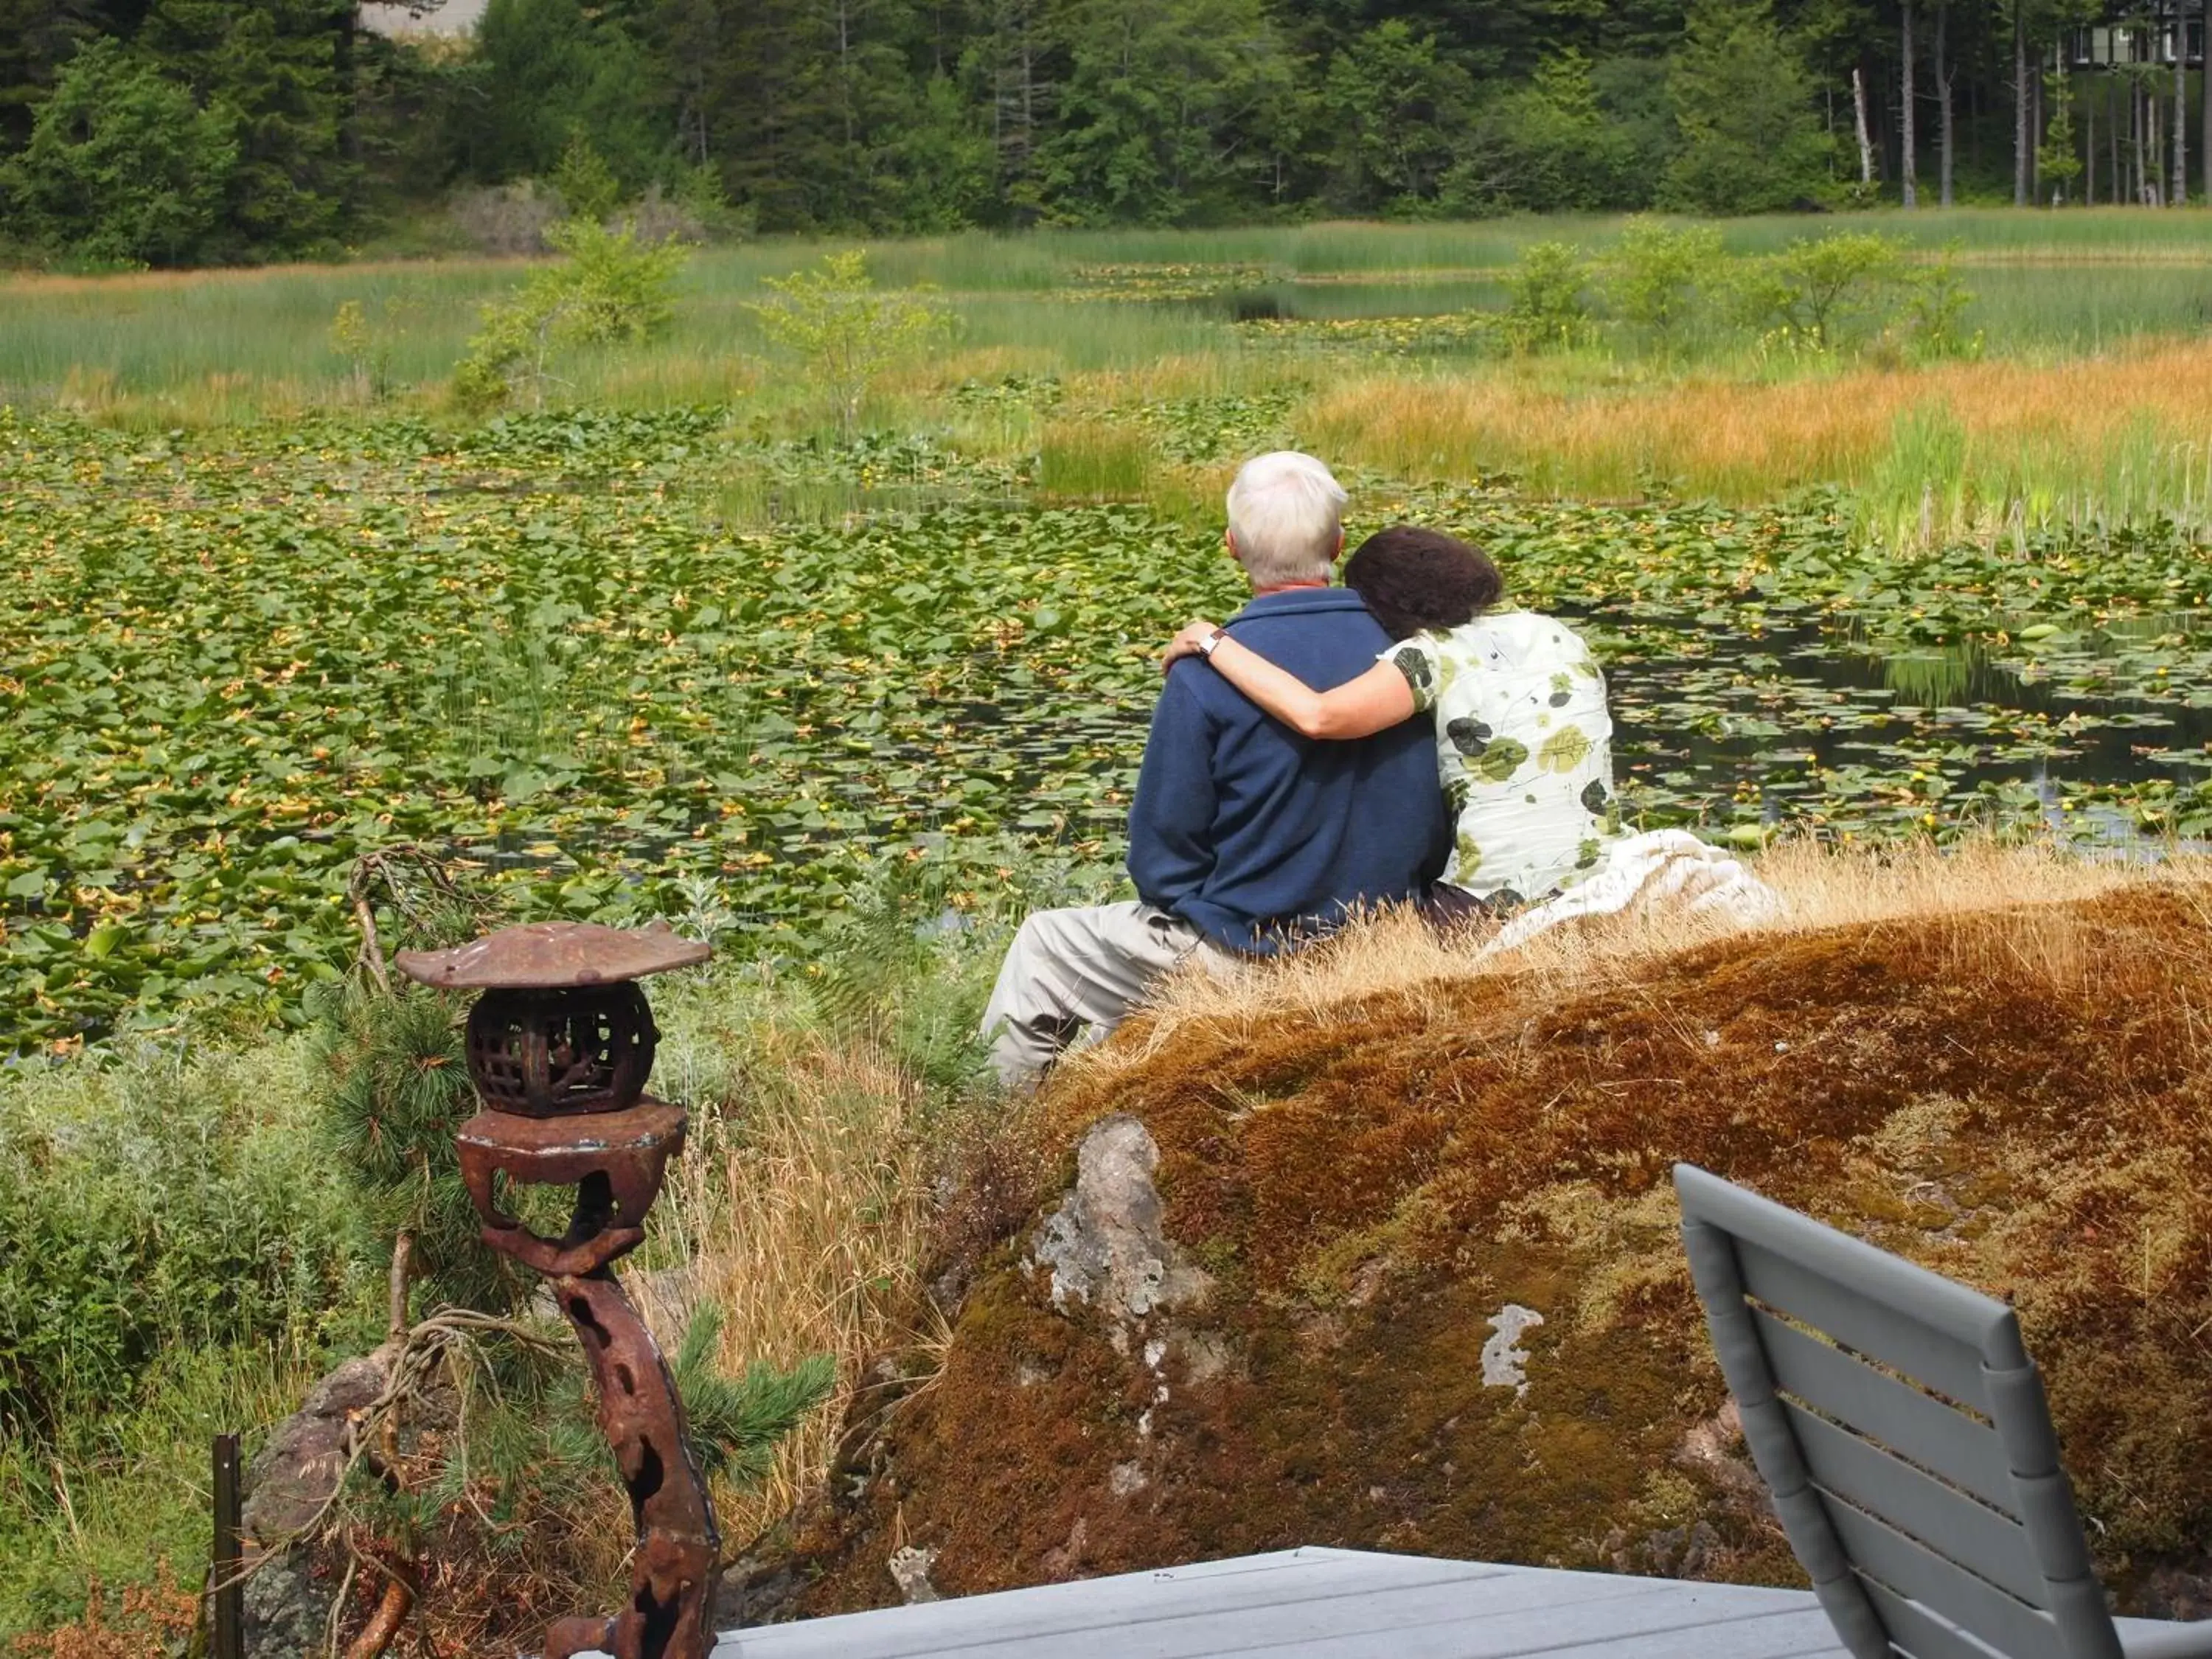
(1095, 461)
(1970, 448)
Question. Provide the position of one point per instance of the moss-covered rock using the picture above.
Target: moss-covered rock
(2017, 1098)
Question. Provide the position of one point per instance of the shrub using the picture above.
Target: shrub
(847, 331)
(150, 1201)
(1818, 290)
(1659, 275)
(508, 220)
(588, 185)
(613, 287)
(659, 218)
(366, 346)
(1546, 306)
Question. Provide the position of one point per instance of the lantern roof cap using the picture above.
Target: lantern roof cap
(543, 956)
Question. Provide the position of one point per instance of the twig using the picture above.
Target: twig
(337, 1621)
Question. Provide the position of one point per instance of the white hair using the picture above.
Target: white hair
(1285, 518)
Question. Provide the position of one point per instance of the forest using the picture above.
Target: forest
(179, 132)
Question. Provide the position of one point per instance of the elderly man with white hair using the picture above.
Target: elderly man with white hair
(1245, 839)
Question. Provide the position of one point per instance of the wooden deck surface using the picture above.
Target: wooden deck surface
(1343, 1603)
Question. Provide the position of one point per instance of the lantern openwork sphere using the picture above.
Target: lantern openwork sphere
(545, 1054)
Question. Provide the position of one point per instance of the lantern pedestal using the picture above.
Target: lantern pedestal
(560, 1048)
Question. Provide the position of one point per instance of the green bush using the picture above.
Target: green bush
(150, 1201)
(1660, 276)
(1546, 304)
(613, 288)
(847, 329)
(1823, 291)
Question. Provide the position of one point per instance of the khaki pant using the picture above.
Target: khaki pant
(1068, 970)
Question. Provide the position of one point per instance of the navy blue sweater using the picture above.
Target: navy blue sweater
(1257, 835)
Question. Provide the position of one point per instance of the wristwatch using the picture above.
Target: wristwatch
(1206, 645)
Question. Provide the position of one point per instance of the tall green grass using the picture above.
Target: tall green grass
(218, 346)
(1936, 483)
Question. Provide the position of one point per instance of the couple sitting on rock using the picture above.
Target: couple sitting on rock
(1330, 750)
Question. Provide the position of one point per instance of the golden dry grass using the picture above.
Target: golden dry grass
(1821, 887)
(803, 1209)
(1745, 442)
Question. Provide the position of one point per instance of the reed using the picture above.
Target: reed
(1960, 448)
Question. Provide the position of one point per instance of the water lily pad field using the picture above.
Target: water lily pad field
(232, 661)
(678, 643)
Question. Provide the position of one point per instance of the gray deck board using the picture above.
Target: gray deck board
(1300, 1604)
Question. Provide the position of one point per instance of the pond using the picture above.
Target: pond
(1823, 729)
(230, 666)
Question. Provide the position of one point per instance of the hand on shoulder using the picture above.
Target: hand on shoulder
(1186, 643)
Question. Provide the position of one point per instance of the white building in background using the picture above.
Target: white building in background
(401, 17)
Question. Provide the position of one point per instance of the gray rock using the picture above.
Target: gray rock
(287, 1603)
(1105, 1245)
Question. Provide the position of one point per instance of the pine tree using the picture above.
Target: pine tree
(122, 166)
(551, 68)
(1751, 140)
(1161, 118)
(272, 69)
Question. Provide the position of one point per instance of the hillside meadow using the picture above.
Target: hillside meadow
(663, 641)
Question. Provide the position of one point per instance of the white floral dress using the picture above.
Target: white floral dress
(1524, 746)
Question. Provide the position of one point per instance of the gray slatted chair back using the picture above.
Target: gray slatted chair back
(1910, 1454)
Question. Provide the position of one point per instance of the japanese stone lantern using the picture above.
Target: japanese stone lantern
(559, 1046)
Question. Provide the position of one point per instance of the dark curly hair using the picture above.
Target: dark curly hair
(1413, 580)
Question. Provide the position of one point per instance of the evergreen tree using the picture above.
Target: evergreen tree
(1164, 115)
(122, 165)
(1751, 139)
(1395, 108)
(272, 69)
(36, 39)
(552, 68)
(1550, 147)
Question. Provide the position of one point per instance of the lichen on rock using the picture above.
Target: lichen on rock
(1104, 1245)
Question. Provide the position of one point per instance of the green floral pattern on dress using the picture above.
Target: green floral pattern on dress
(1524, 746)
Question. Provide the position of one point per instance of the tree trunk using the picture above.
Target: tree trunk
(845, 66)
(2022, 94)
(2153, 147)
(2178, 194)
(2204, 96)
(2035, 139)
(1908, 127)
(1866, 141)
(1946, 149)
(2089, 152)
(2136, 138)
(2119, 189)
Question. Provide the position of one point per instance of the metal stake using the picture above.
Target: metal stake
(228, 1594)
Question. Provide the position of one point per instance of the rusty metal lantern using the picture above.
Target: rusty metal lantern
(560, 1047)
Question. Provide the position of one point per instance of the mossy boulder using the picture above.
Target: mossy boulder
(1354, 1203)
